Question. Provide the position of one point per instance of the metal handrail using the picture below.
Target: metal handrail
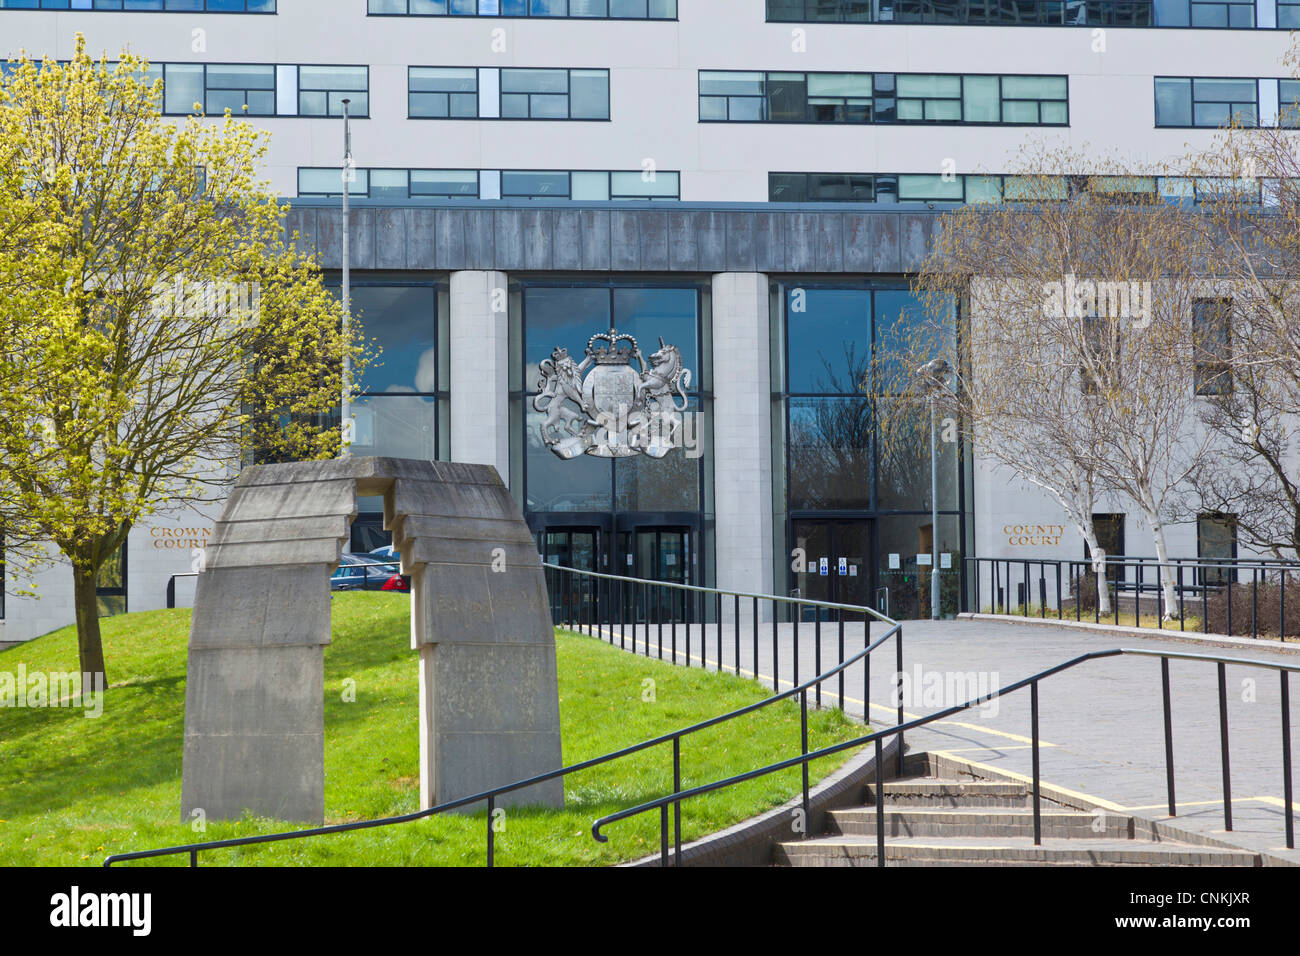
(490, 796)
(776, 598)
(878, 737)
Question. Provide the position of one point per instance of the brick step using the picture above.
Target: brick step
(984, 822)
(1007, 851)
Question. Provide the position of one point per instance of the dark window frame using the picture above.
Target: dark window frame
(67, 8)
(1213, 370)
(527, 16)
(877, 110)
(274, 89)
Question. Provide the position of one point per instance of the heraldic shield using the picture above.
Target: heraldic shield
(605, 407)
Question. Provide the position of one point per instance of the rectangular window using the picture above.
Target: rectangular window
(732, 97)
(1216, 546)
(145, 6)
(445, 183)
(322, 90)
(574, 9)
(1212, 345)
(1288, 103)
(928, 98)
(442, 93)
(1235, 14)
(782, 97)
(110, 586)
(1206, 101)
(1109, 529)
(241, 89)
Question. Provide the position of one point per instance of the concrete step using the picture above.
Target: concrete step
(933, 792)
(843, 850)
(984, 822)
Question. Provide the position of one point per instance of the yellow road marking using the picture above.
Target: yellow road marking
(1001, 771)
(1271, 801)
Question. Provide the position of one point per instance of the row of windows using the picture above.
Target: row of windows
(1217, 14)
(758, 97)
(515, 93)
(574, 9)
(789, 187)
(725, 96)
(1231, 14)
(977, 188)
(146, 6)
(263, 89)
(1213, 102)
(578, 185)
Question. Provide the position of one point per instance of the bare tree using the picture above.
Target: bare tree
(1073, 364)
(1248, 184)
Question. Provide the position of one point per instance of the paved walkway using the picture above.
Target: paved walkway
(1101, 723)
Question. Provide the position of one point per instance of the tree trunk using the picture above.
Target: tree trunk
(1099, 568)
(1166, 570)
(89, 644)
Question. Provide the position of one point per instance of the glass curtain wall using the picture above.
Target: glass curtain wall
(637, 515)
(403, 406)
(854, 523)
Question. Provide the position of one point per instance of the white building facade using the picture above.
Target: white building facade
(752, 180)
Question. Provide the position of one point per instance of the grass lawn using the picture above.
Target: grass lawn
(73, 789)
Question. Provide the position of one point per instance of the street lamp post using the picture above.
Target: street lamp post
(933, 375)
(346, 398)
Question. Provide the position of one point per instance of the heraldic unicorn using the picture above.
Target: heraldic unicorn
(614, 411)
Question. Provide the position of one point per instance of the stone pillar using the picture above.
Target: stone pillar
(480, 367)
(742, 433)
(254, 692)
(489, 711)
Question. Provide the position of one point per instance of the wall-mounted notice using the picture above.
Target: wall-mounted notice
(895, 562)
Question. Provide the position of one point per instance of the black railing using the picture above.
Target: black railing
(658, 618)
(1238, 597)
(878, 737)
(894, 632)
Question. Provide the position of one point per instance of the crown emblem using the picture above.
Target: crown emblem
(605, 406)
(610, 353)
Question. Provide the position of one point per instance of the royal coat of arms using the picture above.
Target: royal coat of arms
(614, 410)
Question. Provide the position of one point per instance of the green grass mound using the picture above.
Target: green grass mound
(73, 789)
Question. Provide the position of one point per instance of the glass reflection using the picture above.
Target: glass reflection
(830, 339)
(398, 426)
(404, 322)
(830, 453)
(568, 318)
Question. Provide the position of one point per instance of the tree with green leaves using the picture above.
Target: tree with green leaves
(157, 327)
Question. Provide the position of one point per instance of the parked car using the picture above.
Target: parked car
(368, 572)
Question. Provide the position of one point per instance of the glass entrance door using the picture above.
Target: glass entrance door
(661, 554)
(836, 563)
(573, 596)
